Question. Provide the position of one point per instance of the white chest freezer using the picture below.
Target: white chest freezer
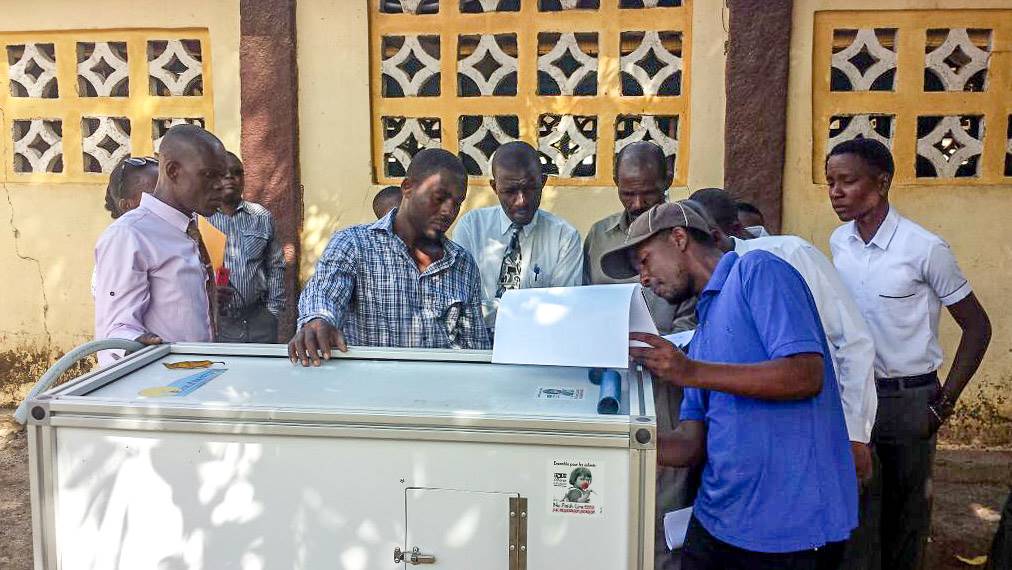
(378, 459)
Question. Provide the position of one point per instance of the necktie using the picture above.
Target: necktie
(509, 272)
(205, 260)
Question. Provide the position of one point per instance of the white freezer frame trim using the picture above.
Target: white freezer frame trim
(42, 474)
(545, 437)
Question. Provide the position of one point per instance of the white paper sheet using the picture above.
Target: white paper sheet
(680, 339)
(570, 326)
(676, 524)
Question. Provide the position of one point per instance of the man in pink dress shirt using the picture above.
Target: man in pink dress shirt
(150, 282)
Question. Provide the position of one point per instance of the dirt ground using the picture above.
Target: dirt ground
(971, 486)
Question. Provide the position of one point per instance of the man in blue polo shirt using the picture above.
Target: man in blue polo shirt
(761, 406)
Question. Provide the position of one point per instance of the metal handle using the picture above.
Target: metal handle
(415, 557)
(65, 363)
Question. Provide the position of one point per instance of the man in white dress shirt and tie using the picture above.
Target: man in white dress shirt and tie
(516, 244)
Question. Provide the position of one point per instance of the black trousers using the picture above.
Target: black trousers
(1001, 547)
(703, 551)
(895, 507)
(676, 488)
(255, 324)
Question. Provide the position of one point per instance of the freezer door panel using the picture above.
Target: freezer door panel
(136, 499)
(460, 529)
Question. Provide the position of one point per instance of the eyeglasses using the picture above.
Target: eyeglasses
(135, 162)
(139, 160)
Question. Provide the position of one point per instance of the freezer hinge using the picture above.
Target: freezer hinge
(518, 533)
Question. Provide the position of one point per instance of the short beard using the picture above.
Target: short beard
(676, 300)
(437, 238)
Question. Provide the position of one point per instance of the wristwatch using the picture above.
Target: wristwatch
(942, 409)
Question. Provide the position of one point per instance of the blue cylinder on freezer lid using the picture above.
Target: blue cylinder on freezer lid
(611, 393)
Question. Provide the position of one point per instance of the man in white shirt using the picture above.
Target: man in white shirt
(516, 244)
(901, 275)
(850, 343)
(722, 209)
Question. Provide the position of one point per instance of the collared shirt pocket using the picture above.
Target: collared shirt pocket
(901, 303)
(253, 245)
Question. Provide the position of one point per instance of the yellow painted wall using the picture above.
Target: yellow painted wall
(334, 124)
(973, 219)
(48, 231)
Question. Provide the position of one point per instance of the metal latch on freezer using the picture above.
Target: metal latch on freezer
(413, 557)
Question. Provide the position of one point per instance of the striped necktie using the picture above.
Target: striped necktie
(209, 288)
(509, 272)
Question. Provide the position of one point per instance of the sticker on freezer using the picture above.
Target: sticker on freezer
(184, 386)
(559, 393)
(575, 488)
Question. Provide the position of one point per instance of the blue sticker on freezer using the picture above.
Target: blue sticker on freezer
(184, 386)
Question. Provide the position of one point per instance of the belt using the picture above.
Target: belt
(906, 382)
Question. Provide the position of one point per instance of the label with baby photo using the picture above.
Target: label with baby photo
(574, 488)
(559, 393)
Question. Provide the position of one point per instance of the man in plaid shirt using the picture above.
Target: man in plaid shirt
(399, 281)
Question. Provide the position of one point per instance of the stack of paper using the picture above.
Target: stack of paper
(570, 326)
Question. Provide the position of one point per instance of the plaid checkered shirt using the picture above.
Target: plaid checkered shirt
(367, 283)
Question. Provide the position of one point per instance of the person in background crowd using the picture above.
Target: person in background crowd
(752, 219)
(723, 211)
(761, 409)
(385, 200)
(398, 281)
(516, 244)
(131, 177)
(900, 275)
(249, 306)
(153, 277)
(642, 177)
(850, 344)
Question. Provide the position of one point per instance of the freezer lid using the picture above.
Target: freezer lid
(364, 381)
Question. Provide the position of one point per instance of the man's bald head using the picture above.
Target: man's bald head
(641, 174)
(642, 156)
(192, 168)
(182, 140)
(720, 205)
(516, 156)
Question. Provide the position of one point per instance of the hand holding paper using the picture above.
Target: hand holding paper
(664, 360)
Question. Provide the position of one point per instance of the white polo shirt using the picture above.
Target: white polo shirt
(900, 280)
(551, 251)
(850, 342)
